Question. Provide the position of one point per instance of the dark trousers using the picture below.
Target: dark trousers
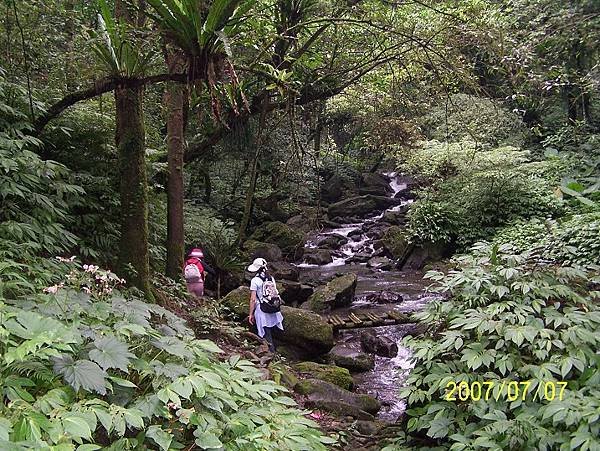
(269, 338)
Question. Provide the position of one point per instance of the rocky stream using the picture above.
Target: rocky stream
(355, 248)
(359, 263)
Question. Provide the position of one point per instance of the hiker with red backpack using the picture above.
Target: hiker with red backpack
(265, 302)
(195, 272)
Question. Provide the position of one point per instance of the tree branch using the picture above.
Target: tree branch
(100, 87)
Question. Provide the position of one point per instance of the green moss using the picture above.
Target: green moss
(337, 293)
(329, 373)
(289, 240)
(395, 242)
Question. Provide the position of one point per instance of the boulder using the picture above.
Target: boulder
(360, 257)
(281, 374)
(382, 346)
(360, 206)
(333, 241)
(294, 293)
(338, 292)
(356, 235)
(328, 373)
(376, 184)
(352, 360)
(255, 249)
(283, 270)
(384, 297)
(382, 263)
(396, 244)
(305, 330)
(305, 221)
(330, 397)
(423, 254)
(317, 256)
(290, 241)
(335, 187)
(396, 217)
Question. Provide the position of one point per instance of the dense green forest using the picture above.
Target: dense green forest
(422, 177)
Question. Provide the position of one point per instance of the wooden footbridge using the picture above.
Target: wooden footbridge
(360, 319)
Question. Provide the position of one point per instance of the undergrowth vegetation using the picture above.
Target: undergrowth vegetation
(87, 365)
(511, 317)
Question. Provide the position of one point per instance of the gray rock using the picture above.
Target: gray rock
(382, 263)
(360, 206)
(283, 270)
(339, 292)
(333, 241)
(384, 297)
(291, 241)
(334, 399)
(355, 361)
(382, 346)
(255, 249)
(294, 293)
(318, 256)
(424, 254)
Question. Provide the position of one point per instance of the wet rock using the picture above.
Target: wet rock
(396, 244)
(384, 297)
(290, 241)
(376, 232)
(396, 217)
(281, 374)
(334, 399)
(339, 292)
(333, 241)
(376, 184)
(355, 235)
(304, 330)
(406, 195)
(382, 263)
(255, 249)
(334, 188)
(294, 293)
(328, 373)
(424, 254)
(382, 346)
(352, 360)
(360, 257)
(318, 256)
(283, 270)
(360, 206)
(367, 427)
(305, 222)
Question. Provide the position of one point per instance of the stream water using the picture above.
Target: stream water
(388, 375)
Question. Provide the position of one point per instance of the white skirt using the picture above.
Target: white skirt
(266, 320)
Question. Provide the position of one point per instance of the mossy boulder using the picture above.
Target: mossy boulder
(290, 241)
(396, 244)
(339, 292)
(359, 206)
(255, 249)
(352, 360)
(337, 400)
(304, 330)
(329, 373)
(283, 375)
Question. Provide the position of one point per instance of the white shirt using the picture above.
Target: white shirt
(263, 319)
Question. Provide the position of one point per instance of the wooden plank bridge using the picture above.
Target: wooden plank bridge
(355, 320)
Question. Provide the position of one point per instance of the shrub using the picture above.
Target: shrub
(472, 192)
(511, 317)
(474, 118)
(86, 364)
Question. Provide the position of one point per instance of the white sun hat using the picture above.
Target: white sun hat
(257, 264)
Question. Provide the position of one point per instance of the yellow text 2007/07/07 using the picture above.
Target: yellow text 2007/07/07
(505, 389)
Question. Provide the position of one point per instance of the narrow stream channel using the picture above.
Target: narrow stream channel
(388, 375)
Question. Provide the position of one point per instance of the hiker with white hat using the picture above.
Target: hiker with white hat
(264, 302)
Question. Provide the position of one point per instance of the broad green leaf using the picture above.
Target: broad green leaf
(81, 374)
(160, 437)
(207, 440)
(109, 352)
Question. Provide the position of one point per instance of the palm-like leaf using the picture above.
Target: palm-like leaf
(115, 48)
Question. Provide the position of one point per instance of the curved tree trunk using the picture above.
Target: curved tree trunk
(175, 101)
(130, 140)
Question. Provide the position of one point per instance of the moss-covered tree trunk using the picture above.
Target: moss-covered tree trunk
(130, 139)
(175, 101)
